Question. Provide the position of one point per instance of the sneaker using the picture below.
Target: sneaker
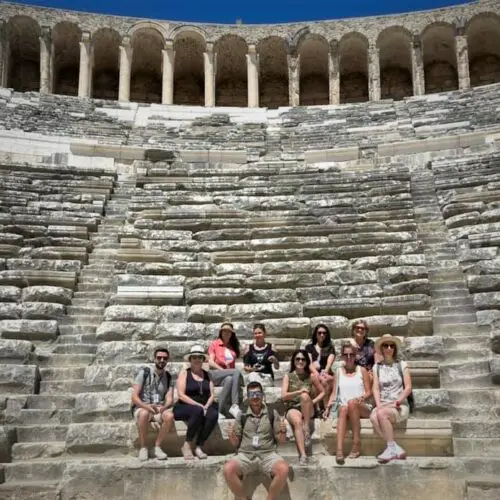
(303, 460)
(160, 454)
(399, 452)
(387, 455)
(143, 454)
(235, 411)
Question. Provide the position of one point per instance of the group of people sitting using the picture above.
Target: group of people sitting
(369, 381)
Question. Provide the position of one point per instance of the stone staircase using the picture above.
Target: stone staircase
(465, 370)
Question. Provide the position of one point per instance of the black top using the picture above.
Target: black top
(325, 352)
(197, 391)
(366, 354)
(258, 358)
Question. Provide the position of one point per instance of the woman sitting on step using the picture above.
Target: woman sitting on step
(352, 393)
(300, 391)
(222, 355)
(322, 355)
(391, 388)
(260, 358)
(365, 347)
(195, 403)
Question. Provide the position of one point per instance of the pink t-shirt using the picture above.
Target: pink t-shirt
(224, 356)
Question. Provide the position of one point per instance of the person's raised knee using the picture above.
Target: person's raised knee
(167, 416)
(280, 469)
(304, 396)
(230, 468)
(353, 403)
(143, 414)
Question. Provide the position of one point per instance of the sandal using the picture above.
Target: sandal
(339, 457)
(303, 460)
(200, 453)
(355, 450)
(187, 452)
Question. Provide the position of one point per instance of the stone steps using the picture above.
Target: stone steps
(65, 373)
(75, 349)
(465, 374)
(51, 402)
(48, 417)
(64, 360)
(61, 386)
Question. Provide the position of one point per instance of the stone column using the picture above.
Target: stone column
(253, 77)
(209, 64)
(334, 73)
(85, 65)
(417, 60)
(462, 52)
(4, 55)
(374, 73)
(126, 53)
(168, 63)
(294, 79)
(46, 61)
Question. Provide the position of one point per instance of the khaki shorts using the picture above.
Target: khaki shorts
(401, 414)
(257, 463)
(152, 418)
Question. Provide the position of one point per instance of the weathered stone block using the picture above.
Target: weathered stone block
(360, 291)
(420, 286)
(29, 329)
(355, 277)
(266, 310)
(19, 379)
(432, 400)
(487, 300)
(420, 323)
(172, 314)
(305, 266)
(42, 310)
(95, 438)
(288, 327)
(219, 295)
(495, 369)
(131, 313)
(350, 308)
(56, 294)
(9, 293)
(15, 351)
(488, 283)
(10, 310)
(102, 406)
(179, 331)
(430, 348)
(398, 274)
(373, 263)
(495, 341)
(318, 293)
(338, 325)
(203, 313)
(402, 304)
(7, 439)
(125, 330)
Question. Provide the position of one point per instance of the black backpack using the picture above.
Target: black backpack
(410, 398)
(270, 413)
(147, 376)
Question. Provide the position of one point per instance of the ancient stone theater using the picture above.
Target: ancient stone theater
(158, 178)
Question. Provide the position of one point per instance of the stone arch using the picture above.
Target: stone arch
(231, 77)
(148, 26)
(146, 76)
(353, 68)
(106, 71)
(396, 80)
(189, 73)
(66, 38)
(188, 29)
(483, 36)
(440, 60)
(314, 81)
(24, 62)
(273, 72)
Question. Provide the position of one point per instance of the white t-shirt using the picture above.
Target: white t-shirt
(390, 381)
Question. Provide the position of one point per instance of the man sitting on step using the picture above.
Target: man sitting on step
(256, 434)
(152, 400)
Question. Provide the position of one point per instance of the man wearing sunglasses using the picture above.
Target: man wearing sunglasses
(152, 399)
(256, 434)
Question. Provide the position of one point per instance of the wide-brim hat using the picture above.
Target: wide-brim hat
(387, 338)
(196, 350)
(227, 325)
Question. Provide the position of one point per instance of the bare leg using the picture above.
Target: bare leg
(374, 419)
(280, 476)
(386, 419)
(295, 419)
(307, 410)
(167, 422)
(341, 430)
(233, 474)
(143, 427)
(353, 410)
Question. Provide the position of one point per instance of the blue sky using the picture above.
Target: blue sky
(250, 11)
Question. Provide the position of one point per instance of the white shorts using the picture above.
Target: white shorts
(152, 418)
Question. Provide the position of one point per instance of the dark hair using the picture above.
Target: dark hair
(328, 338)
(233, 343)
(360, 322)
(161, 349)
(307, 366)
(260, 326)
(255, 385)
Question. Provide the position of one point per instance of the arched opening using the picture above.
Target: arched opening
(440, 61)
(353, 68)
(66, 39)
(24, 62)
(483, 36)
(189, 73)
(273, 73)
(106, 72)
(146, 76)
(314, 81)
(396, 81)
(231, 79)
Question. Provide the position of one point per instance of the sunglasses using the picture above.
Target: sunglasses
(321, 332)
(300, 358)
(388, 346)
(161, 358)
(197, 356)
(255, 394)
(360, 328)
(349, 355)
